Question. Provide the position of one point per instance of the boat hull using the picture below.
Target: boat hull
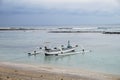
(61, 52)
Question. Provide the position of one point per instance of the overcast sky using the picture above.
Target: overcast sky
(59, 12)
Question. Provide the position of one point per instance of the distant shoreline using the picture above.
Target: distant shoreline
(79, 31)
(103, 32)
(13, 29)
(66, 30)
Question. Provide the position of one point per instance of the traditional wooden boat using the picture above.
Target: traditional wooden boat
(69, 50)
(61, 51)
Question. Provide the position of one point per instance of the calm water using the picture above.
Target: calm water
(105, 55)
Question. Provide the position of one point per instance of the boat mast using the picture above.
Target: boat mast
(69, 46)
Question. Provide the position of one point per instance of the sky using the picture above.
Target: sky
(58, 12)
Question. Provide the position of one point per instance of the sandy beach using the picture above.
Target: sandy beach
(13, 71)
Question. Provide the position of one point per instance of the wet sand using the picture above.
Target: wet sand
(14, 71)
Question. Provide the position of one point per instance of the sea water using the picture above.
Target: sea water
(104, 55)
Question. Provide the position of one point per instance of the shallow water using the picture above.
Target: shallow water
(105, 55)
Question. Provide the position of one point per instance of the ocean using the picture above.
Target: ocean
(104, 56)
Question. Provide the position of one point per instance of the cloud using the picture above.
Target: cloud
(63, 6)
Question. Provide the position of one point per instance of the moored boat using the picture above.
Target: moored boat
(61, 51)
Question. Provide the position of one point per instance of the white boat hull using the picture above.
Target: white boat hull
(61, 52)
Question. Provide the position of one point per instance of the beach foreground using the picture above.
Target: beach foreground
(13, 71)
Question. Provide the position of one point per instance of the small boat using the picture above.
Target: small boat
(69, 50)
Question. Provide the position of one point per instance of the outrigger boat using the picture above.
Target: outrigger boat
(69, 50)
(61, 51)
